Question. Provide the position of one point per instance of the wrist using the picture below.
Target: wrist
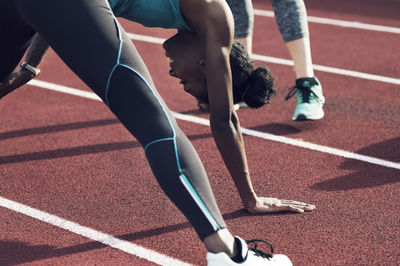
(250, 200)
(26, 66)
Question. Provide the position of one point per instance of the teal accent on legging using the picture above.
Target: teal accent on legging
(192, 191)
(198, 200)
(158, 140)
(201, 204)
(108, 83)
(118, 57)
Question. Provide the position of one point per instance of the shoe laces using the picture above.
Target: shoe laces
(305, 93)
(258, 252)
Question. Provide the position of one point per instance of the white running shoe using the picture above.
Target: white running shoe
(248, 256)
(309, 99)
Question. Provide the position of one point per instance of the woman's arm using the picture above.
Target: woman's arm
(214, 24)
(36, 50)
(29, 68)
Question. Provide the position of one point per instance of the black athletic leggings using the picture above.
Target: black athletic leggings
(88, 38)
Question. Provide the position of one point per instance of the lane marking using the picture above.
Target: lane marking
(92, 234)
(281, 61)
(328, 69)
(249, 132)
(298, 143)
(159, 258)
(337, 22)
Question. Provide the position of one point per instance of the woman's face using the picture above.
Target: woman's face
(185, 58)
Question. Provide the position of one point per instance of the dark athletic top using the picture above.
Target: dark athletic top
(150, 13)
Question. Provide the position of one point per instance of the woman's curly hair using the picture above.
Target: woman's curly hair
(255, 87)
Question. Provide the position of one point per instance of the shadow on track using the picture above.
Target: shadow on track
(16, 252)
(68, 152)
(57, 128)
(367, 175)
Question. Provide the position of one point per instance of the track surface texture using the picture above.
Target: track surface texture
(95, 202)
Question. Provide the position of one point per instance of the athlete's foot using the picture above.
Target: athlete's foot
(309, 99)
(247, 256)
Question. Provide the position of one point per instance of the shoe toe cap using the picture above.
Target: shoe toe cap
(282, 260)
(307, 111)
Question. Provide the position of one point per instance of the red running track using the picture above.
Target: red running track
(68, 156)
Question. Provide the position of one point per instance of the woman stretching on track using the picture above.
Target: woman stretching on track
(89, 39)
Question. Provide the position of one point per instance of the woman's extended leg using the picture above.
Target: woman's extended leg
(88, 38)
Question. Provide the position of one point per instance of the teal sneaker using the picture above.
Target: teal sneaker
(309, 99)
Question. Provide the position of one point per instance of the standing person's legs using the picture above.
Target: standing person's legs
(300, 52)
(88, 38)
(291, 18)
(243, 15)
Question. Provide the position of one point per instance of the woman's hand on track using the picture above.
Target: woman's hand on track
(269, 205)
(14, 81)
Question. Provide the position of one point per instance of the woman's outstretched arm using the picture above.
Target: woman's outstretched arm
(215, 29)
(29, 68)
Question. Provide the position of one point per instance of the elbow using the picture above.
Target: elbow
(220, 125)
(225, 123)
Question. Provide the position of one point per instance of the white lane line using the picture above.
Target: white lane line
(281, 61)
(337, 22)
(327, 69)
(146, 38)
(90, 233)
(298, 143)
(250, 132)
